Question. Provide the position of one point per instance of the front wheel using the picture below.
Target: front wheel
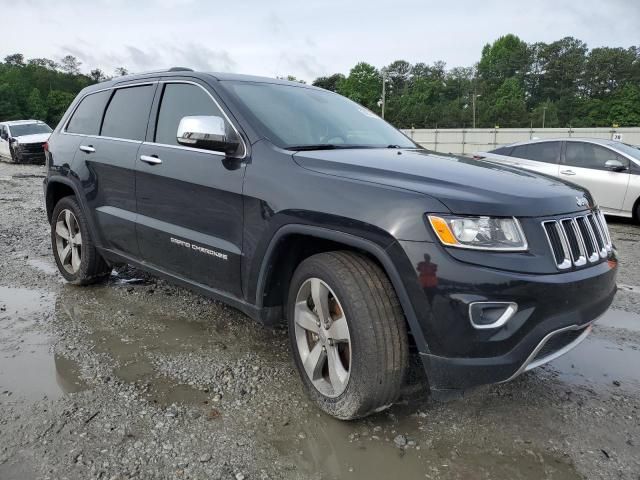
(347, 333)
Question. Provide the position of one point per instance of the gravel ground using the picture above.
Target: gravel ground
(137, 378)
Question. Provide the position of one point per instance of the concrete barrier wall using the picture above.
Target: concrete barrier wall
(468, 141)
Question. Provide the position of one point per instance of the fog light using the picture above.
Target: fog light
(484, 315)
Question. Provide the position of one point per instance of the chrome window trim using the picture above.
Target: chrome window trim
(235, 129)
(93, 92)
(156, 82)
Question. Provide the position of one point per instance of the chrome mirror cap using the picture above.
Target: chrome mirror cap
(207, 132)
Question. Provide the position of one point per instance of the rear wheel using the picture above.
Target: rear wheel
(347, 333)
(77, 258)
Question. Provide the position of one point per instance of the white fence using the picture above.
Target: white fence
(470, 140)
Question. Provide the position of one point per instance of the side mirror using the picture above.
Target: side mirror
(614, 165)
(207, 132)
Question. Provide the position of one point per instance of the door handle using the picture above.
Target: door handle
(150, 159)
(87, 148)
(567, 172)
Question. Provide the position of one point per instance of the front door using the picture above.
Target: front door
(584, 164)
(189, 201)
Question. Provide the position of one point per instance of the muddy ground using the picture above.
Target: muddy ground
(139, 379)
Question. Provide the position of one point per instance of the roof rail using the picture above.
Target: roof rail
(180, 69)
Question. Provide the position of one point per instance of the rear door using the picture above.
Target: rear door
(110, 159)
(190, 216)
(584, 164)
(540, 157)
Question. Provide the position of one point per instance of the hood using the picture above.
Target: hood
(463, 185)
(35, 138)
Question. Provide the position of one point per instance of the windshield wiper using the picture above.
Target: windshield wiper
(324, 146)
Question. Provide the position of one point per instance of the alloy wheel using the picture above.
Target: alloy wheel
(322, 337)
(68, 241)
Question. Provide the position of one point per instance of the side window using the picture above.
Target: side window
(502, 151)
(548, 152)
(589, 155)
(181, 100)
(128, 113)
(520, 151)
(87, 117)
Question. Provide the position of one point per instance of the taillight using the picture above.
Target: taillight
(478, 157)
(45, 146)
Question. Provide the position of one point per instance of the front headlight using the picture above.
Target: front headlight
(479, 233)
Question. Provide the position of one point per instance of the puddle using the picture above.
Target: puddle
(42, 265)
(614, 318)
(28, 368)
(365, 449)
(600, 362)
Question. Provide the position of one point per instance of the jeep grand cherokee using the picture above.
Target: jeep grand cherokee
(289, 201)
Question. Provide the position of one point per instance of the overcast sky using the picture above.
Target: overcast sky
(306, 39)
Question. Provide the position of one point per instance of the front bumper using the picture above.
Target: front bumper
(29, 153)
(555, 313)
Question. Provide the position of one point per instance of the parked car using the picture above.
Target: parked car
(22, 141)
(610, 170)
(288, 201)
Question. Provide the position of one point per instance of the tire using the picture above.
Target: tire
(376, 356)
(82, 264)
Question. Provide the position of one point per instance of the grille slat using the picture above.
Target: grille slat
(579, 240)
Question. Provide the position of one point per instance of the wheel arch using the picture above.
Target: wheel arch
(280, 261)
(57, 188)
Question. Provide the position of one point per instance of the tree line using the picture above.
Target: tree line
(514, 84)
(41, 88)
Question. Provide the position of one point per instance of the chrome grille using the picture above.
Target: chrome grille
(576, 241)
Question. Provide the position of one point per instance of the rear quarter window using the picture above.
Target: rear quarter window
(87, 116)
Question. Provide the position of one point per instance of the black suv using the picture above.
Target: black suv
(289, 201)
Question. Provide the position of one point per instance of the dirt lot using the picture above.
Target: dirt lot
(140, 379)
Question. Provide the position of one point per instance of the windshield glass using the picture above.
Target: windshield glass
(297, 117)
(628, 149)
(29, 129)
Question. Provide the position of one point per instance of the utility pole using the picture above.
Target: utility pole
(473, 102)
(544, 114)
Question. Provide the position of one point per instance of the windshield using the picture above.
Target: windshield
(28, 129)
(628, 149)
(303, 117)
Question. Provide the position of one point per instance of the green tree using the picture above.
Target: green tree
(625, 107)
(57, 104)
(70, 64)
(509, 108)
(35, 105)
(329, 83)
(363, 85)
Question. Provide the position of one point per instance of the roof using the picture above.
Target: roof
(20, 122)
(599, 141)
(182, 72)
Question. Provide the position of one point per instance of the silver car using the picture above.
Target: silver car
(610, 170)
